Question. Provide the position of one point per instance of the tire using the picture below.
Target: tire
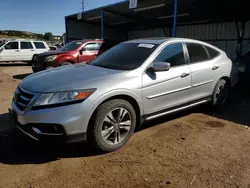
(66, 63)
(33, 59)
(220, 94)
(99, 128)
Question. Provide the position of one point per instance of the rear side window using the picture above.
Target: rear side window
(212, 52)
(11, 46)
(39, 45)
(197, 52)
(92, 46)
(26, 45)
(172, 54)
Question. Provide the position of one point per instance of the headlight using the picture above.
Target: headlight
(50, 58)
(61, 98)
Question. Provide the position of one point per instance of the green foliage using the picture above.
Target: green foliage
(24, 34)
(48, 36)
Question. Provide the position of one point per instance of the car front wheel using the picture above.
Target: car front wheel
(112, 125)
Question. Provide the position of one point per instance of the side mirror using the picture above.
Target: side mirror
(161, 66)
(82, 50)
(1, 49)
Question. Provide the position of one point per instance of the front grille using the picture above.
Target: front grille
(40, 59)
(39, 64)
(22, 98)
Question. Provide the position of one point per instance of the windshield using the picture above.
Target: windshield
(71, 46)
(1, 44)
(124, 56)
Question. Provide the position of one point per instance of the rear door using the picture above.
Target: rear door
(89, 51)
(167, 89)
(11, 52)
(26, 51)
(202, 71)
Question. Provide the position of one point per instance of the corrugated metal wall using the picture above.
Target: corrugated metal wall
(222, 35)
(158, 32)
(80, 30)
(209, 31)
(246, 42)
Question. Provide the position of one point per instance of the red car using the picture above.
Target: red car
(81, 51)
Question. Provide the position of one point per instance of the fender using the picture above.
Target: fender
(221, 76)
(118, 92)
(61, 59)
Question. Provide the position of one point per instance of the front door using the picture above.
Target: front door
(26, 51)
(89, 52)
(11, 52)
(167, 89)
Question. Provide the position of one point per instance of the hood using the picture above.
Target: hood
(53, 52)
(66, 78)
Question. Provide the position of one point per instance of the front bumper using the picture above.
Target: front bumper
(38, 66)
(66, 123)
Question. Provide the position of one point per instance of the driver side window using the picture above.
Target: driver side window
(11, 46)
(172, 54)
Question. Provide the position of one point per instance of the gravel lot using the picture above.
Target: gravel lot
(195, 148)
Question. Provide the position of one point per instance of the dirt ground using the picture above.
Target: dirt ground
(195, 148)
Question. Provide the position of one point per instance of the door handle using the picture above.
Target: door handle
(17, 51)
(32, 50)
(215, 67)
(185, 75)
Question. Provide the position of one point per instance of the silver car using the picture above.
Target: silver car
(103, 102)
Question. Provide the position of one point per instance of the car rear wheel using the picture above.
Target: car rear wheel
(112, 125)
(220, 94)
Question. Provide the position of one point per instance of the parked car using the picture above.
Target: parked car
(21, 50)
(53, 47)
(60, 45)
(82, 51)
(135, 81)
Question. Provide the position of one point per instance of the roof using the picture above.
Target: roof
(160, 40)
(159, 13)
(26, 40)
(89, 40)
(153, 40)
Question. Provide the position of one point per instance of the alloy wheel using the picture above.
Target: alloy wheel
(116, 126)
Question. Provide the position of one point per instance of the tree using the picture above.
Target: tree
(48, 36)
(40, 36)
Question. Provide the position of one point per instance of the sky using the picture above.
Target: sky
(42, 16)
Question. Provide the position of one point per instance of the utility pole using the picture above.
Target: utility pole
(82, 5)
